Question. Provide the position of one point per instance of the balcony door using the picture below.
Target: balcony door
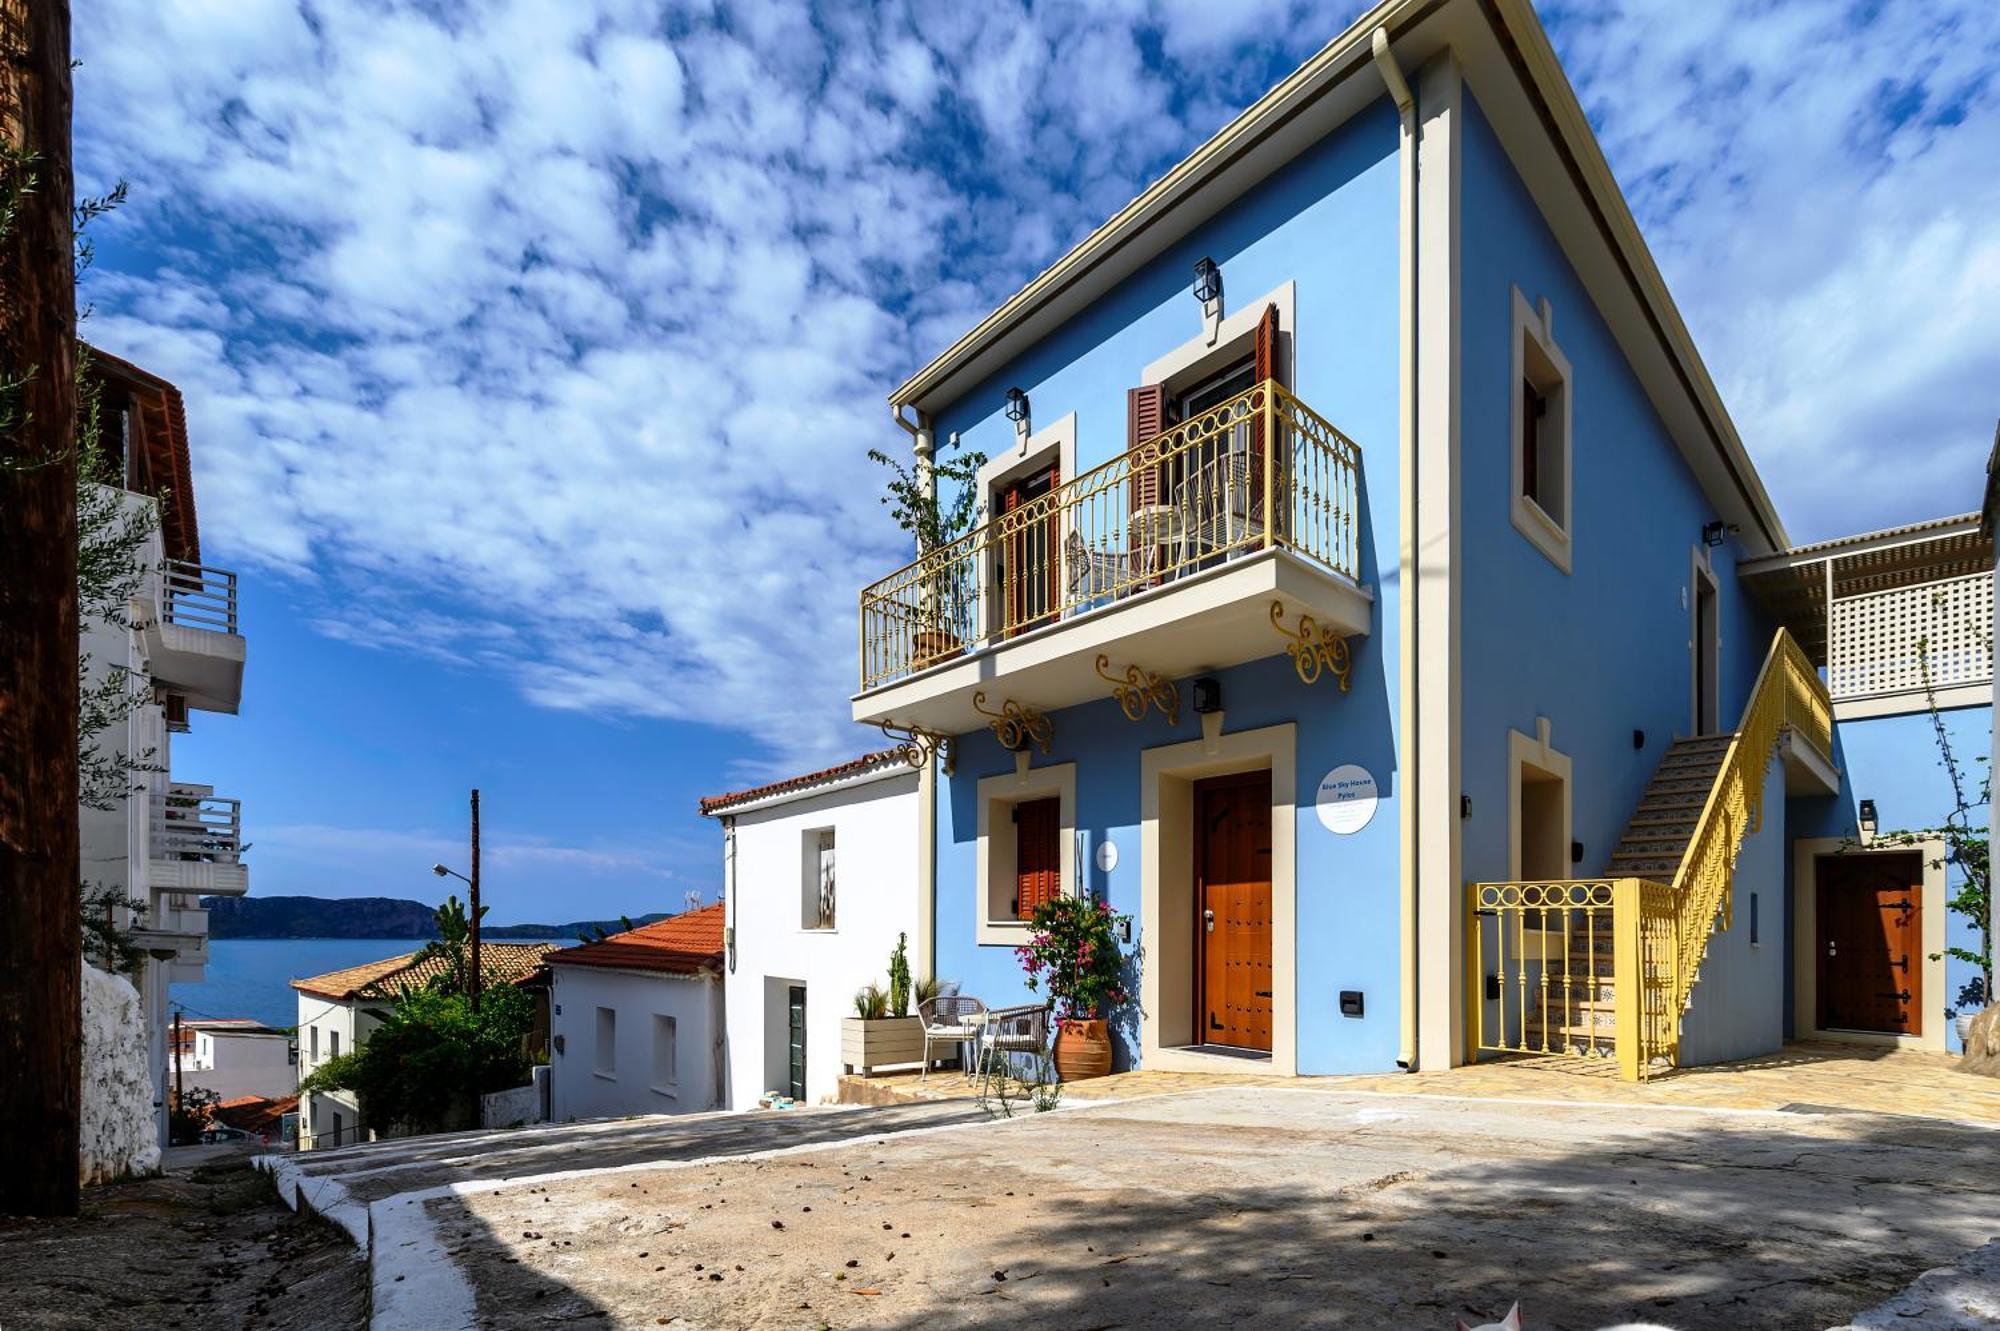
(1029, 551)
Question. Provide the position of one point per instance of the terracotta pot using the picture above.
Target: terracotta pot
(1083, 1050)
(930, 646)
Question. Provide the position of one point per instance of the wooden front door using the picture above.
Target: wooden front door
(1870, 946)
(1232, 893)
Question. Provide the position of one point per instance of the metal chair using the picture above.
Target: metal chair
(950, 1019)
(1010, 1031)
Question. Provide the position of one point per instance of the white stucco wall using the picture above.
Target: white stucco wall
(578, 1089)
(324, 1018)
(120, 1133)
(875, 841)
(235, 1063)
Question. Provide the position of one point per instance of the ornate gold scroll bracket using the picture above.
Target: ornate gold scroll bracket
(1313, 647)
(1139, 689)
(1016, 726)
(917, 746)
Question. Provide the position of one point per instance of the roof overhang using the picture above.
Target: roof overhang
(1796, 585)
(1508, 62)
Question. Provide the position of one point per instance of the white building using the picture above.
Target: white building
(339, 1010)
(169, 842)
(235, 1057)
(821, 878)
(636, 1021)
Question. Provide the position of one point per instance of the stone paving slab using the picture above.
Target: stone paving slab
(1268, 1206)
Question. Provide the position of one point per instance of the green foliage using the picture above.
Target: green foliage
(106, 945)
(187, 1115)
(432, 1056)
(899, 977)
(870, 1002)
(915, 506)
(454, 945)
(926, 989)
(1072, 948)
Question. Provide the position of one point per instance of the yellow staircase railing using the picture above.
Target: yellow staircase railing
(1606, 967)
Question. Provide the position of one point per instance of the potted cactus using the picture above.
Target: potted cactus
(883, 1032)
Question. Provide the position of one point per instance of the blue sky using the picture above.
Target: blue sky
(531, 351)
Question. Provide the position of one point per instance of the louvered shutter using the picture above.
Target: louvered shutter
(1037, 840)
(1265, 352)
(1145, 417)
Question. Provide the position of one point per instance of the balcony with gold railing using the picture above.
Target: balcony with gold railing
(1203, 547)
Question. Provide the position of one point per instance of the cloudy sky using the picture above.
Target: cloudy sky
(531, 350)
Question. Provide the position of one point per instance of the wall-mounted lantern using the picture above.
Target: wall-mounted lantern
(1208, 290)
(1207, 695)
(1017, 411)
(1868, 821)
(1711, 533)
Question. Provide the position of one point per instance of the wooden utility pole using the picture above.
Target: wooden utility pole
(478, 973)
(41, 945)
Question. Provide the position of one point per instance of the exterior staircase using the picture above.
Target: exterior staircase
(1577, 1012)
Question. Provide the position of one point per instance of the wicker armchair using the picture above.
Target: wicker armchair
(1010, 1031)
(950, 1019)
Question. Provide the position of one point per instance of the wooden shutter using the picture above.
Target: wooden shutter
(1037, 866)
(1266, 355)
(1145, 417)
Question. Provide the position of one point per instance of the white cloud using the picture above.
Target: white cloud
(549, 339)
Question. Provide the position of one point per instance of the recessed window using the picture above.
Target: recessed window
(315, 1044)
(1027, 847)
(606, 1063)
(665, 1079)
(816, 880)
(1540, 501)
(333, 1044)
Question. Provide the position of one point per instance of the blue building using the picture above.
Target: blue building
(1374, 602)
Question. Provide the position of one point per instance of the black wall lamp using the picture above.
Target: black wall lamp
(1207, 280)
(1017, 405)
(1713, 532)
(1207, 695)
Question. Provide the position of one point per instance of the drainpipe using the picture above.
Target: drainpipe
(1406, 335)
(923, 444)
(729, 883)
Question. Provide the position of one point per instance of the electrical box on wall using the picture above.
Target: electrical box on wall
(1350, 1002)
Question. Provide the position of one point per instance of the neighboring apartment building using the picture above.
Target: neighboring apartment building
(1379, 607)
(171, 841)
(820, 875)
(636, 1021)
(237, 1057)
(340, 1009)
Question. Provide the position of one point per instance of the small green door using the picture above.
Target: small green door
(797, 1089)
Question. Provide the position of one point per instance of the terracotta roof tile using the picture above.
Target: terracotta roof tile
(253, 1113)
(499, 963)
(684, 944)
(867, 762)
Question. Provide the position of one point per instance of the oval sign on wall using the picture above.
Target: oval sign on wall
(1107, 855)
(1346, 799)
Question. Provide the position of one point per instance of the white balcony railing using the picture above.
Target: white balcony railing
(1934, 634)
(193, 824)
(196, 596)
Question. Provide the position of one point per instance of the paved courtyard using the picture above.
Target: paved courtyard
(1269, 1206)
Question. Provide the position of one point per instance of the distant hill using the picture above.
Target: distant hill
(366, 917)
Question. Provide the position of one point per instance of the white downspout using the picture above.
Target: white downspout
(923, 444)
(1406, 357)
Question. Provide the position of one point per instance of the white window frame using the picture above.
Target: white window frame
(669, 1084)
(994, 879)
(810, 867)
(1535, 751)
(604, 1053)
(1546, 531)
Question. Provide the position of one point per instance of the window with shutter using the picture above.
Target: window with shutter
(1037, 843)
(1028, 553)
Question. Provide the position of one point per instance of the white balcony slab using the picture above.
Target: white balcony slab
(204, 664)
(207, 877)
(1208, 620)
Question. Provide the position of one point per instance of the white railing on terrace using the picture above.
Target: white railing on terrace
(196, 596)
(1883, 642)
(193, 823)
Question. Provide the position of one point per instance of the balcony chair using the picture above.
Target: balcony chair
(1218, 505)
(950, 1019)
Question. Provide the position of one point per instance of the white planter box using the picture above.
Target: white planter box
(867, 1046)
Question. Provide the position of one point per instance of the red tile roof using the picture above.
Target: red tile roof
(684, 944)
(253, 1113)
(867, 762)
(499, 963)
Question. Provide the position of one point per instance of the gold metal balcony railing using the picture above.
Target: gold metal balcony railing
(1259, 471)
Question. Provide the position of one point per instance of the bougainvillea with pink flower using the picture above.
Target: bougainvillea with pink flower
(1072, 955)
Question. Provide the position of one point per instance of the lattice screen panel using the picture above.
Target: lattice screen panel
(1873, 640)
